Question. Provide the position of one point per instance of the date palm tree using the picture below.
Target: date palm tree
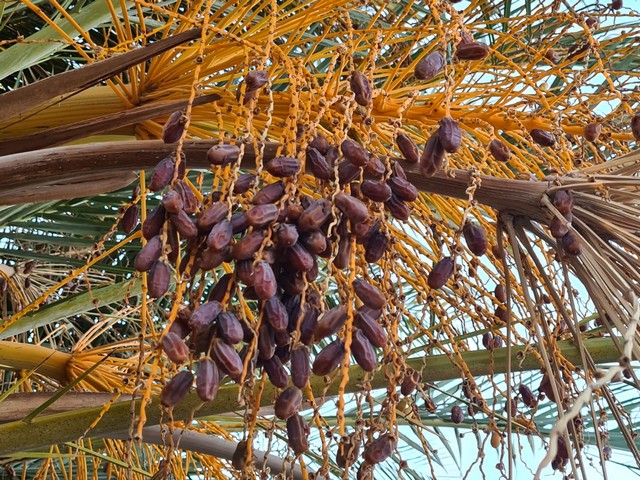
(530, 335)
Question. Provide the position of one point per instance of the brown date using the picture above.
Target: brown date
(376, 191)
(148, 255)
(499, 150)
(317, 213)
(429, 66)
(276, 314)
(330, 322)
(363, 351)
(130, 218)
(559, 228)
(177, 389)
(408, 148)
(449, 134)
(368, 294)
(207, 380)
(174, 127)
(159, 279)
(255, 80)
(211, 215)
(354, 152)
(266, 342)
(320, 143)
(308, 324)
(347, 172)
(329, 358)
(475, 238)
(410, 382)
(563, 201)
(239, 222)
(299, 258)
(260, 216)
(269, 194)
(223, 154)
(220, 236)
(472, 51)
(239, 458)
(403, 189)
(355, 210)
(248, 245)
(375, 247)
(441, 273)
(457, 415)
(175, 348)
(319, 165)
(276, 372)
(172, 201)
(542, 137)
(209, 259)
(571, 244)
(189, 200)
(227, 358)
(283, 167)
(286, 235)
(172, 247)
(527, 396)
(264, 281)
(500, 293)
(379, 450)
(365, 321)
(300, 366)
(184, 225)
(162, 174)
(244, 183)
(315, 242)
(153, 223)
(288, 403)
(397, 208)
(297, 434)
(180, 326)
(342, 258)
(361, 87)
(219, 290)
(432, 156)
(375, 167)
(592, 132)
(348, 450)
(230, 328)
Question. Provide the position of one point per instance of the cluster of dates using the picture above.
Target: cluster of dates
(563, 201)
(273, 241)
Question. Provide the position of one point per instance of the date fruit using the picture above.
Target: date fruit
(441, 273)
(429, 66)
(288, 403)
(177, 389)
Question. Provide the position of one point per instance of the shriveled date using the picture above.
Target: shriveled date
(361, 87)
(380, 449)
(207, 380)
(177, 389)
(223, 154)
(476, 238)
(441, 273)
(288, 403)
(283, 166)
(297, 434)
(371, 296)
(429, 66)
(329, 358)
(472, 51)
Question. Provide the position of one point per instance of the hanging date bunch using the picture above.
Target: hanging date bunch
(276, 241)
